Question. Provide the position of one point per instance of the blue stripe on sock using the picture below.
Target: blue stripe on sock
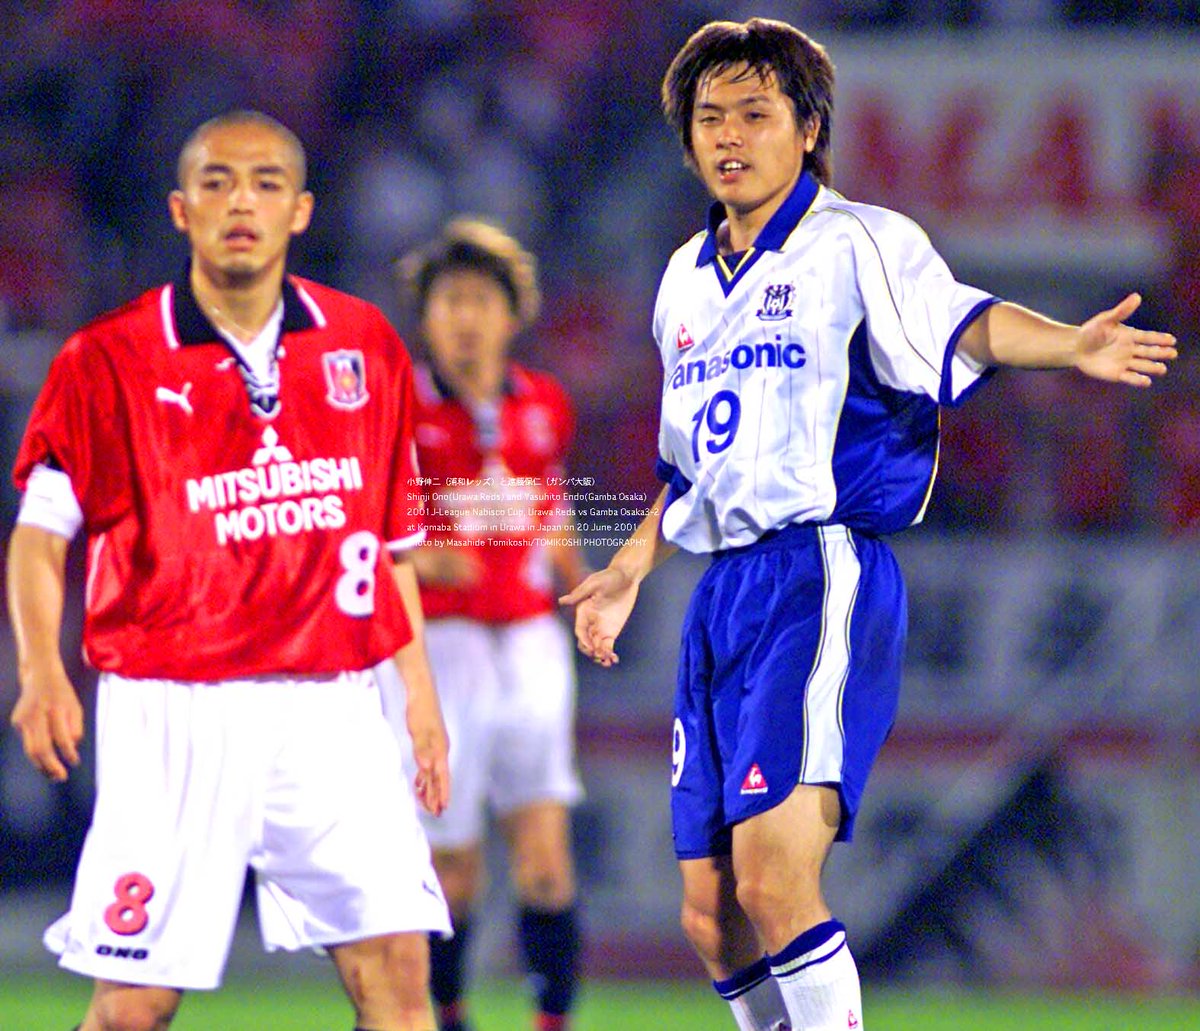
(741, 982)
(811, 939)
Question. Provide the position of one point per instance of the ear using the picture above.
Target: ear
(303, 213)
(812, 129)
(178, 209)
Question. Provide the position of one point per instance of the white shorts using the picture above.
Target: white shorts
(300, 780)
(508, 698)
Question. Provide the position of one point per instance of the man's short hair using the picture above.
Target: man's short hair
(478, 246)
(243, 117)
(801, 67)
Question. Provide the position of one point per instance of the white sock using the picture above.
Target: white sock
(819, 981)
(754, 999)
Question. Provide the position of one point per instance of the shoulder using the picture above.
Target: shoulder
(327, 304)
(537, 385)
(884, 227)
(684, 258)
(346, 322)
(99, 342)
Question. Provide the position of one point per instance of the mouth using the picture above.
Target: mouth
(729, 169)
(241, 238)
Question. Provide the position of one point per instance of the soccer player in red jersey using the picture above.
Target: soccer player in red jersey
(491, 439)
(237, 447)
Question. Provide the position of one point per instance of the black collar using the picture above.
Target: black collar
(194, 327)
(507, 388)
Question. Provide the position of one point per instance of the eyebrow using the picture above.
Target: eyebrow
(753, 98)
(217, 166)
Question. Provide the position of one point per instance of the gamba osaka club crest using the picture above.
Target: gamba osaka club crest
(777, 302)
(346, 377)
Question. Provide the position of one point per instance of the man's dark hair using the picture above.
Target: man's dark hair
(801, 67)
(479, 246)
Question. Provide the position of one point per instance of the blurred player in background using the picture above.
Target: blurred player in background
(500, 652)
(236, 446)
(806, 342)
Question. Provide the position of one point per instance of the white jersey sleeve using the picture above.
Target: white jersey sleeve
(915, 309)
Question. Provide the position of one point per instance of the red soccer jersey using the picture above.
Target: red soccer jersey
(222, 543)
(506, 497)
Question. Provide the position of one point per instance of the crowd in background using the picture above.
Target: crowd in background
(545, 117)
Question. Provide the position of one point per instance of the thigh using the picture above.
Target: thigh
(812, 687)
(160, 878)
(343, 856)
(533, 751)
(699, 826)
(463, 657)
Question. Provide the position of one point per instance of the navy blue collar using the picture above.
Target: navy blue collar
(194, 327)
(779, 227)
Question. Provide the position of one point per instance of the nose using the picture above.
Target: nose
(729, 135)
(242, 196)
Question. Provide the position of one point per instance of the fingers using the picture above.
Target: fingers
(1125, 308)
(432, 786)
(51, 739)
(67, 729)
(1147, 368)
(40, 749)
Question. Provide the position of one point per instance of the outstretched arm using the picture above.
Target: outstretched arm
(605, 599)
(1103, 347)
(424, 712)
(48, 714)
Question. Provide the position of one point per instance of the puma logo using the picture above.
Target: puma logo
(172, 397)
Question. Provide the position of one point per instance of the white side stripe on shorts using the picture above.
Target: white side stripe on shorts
(823, 739)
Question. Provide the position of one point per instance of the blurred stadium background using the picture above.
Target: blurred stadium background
(1034, 822)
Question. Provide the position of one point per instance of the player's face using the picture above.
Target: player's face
(746, 143)
(240, 203)
(468, 325)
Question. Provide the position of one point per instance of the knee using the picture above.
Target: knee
(702, 929)
(394, 974)
(546, 885)
(133, 1010)
(775, 904)
(460, 873)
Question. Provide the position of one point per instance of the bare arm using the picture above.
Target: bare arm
(606, 598)
(1103, 347)
(423, 712)
(48, 714)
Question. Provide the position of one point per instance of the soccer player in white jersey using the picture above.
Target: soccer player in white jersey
(238, 448)
(806, 341)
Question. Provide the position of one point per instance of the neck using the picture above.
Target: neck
(242, 310)
(745, 225)
(477, 385)
(741, 228)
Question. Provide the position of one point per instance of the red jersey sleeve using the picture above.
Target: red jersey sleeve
(405, 513)
(79, 425)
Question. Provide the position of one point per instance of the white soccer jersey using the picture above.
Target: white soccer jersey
(801, 381)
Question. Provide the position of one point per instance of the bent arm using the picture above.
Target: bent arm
(48, 713)
(1102, 348)
(423, 712)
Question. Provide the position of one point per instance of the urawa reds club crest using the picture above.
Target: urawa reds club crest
(346, 377)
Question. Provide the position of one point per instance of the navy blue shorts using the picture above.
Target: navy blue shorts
(789, 673)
